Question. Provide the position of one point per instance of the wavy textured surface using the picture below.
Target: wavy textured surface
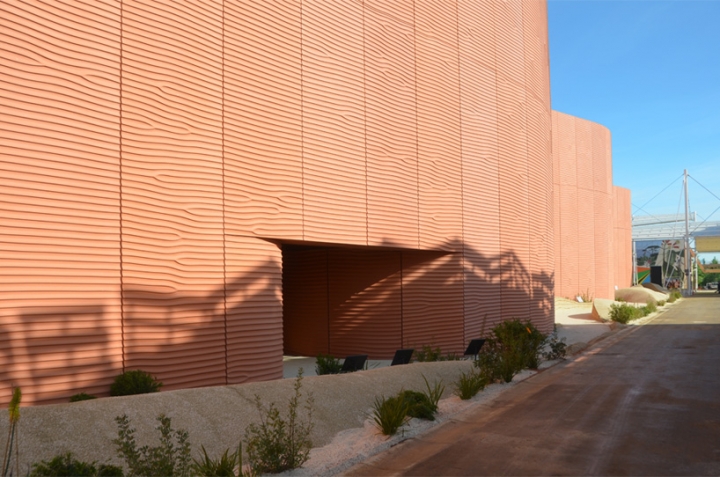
(334, 184)
(159, 155)
(263, 118)
(585, 228)
(391, 132)
(59, 200)
(172, 185)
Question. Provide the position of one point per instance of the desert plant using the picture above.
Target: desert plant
(280, 443)
(674, 296)
(418, 405)
(81, 397)
(66, 465)
(326, 364)
(433, 393)
(661, 303)
(13, 418)
(132, 382)
(624, 313)
(169, 458)
(651, 307)
(586, 297)
(512, 346)
(427, 354)
(556, 348)
(469, 384)
(389, 414)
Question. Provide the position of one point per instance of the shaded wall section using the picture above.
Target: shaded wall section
(151, 176)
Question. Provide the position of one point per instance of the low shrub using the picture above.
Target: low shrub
(326, 364)
(555, 348)
(469, 384)
(651, 307)
(167, 459)
(428, 354)
(625, 313)
(661, 303)
(280, 443)
(223, 466)
(418, 405)
(389, 414)
(674, 296)
(66, 465)
(81, 397)
(586, 297)
(512, 347)
(132, 382)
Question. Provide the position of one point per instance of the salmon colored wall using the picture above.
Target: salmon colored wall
(623, 237)
(157, 156)
(585, 260)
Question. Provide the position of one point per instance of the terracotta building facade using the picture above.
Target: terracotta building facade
(197, 188)
(592, 219)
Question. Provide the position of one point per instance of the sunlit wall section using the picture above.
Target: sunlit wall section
(60, 328)
(263, 177)
(172, 201)
(584, 227)
(623, 237)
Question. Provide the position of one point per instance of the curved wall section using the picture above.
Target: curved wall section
(590, 224)
(158, 158)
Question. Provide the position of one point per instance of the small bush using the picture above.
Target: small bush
(81, 397)
(428, 354)
(621, 299)
(469, 384)
(661, 303)
(280, 443)
(224, 466)
(651, 307)
(66, 465)
(132, 382)
(326, 364)
(625, 313)
(389, 414)
(674, 296)
(418, 405)
(586, 297)
(556, 348)
(167, 459)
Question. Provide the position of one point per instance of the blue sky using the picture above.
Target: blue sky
(649, 71)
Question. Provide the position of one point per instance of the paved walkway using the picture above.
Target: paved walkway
(645, 401)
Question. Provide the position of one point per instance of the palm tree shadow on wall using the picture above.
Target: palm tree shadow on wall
(411, 298)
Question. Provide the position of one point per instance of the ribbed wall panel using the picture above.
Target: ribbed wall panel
(365, 302)
(334, 185)
(481, 200)
(391, 134)
(432, 301)
(172, 194)
(263, 118)
(602, 204)
(166, 152)
(557, 239)
(438, 125)
(586, 215)
(623, 237)
(253, 289)
(60, 199)
(568, 206)
(516, 292)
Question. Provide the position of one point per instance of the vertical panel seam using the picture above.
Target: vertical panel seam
(224, 216)
(120, 140)
(302, 120)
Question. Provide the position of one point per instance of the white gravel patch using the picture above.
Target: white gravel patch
(352, 446)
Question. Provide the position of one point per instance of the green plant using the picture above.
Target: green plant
(81, 397)
(169, 458)
(512, 346)
(556, 348)
(621, 299)
(624, 313)
(326, 364)
(418, 405)
(66, 465)
(13, 418)
(277, 444)
(586, 297)
(223, 466)
(661, 303)
(651, 307)
(434, 393)
(469, 384)
(674, 296)
(427, 354)
(132, 382)
(389, 414)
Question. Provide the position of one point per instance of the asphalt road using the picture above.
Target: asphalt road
(645, 401)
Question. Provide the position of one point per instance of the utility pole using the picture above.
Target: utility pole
(688, 274)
